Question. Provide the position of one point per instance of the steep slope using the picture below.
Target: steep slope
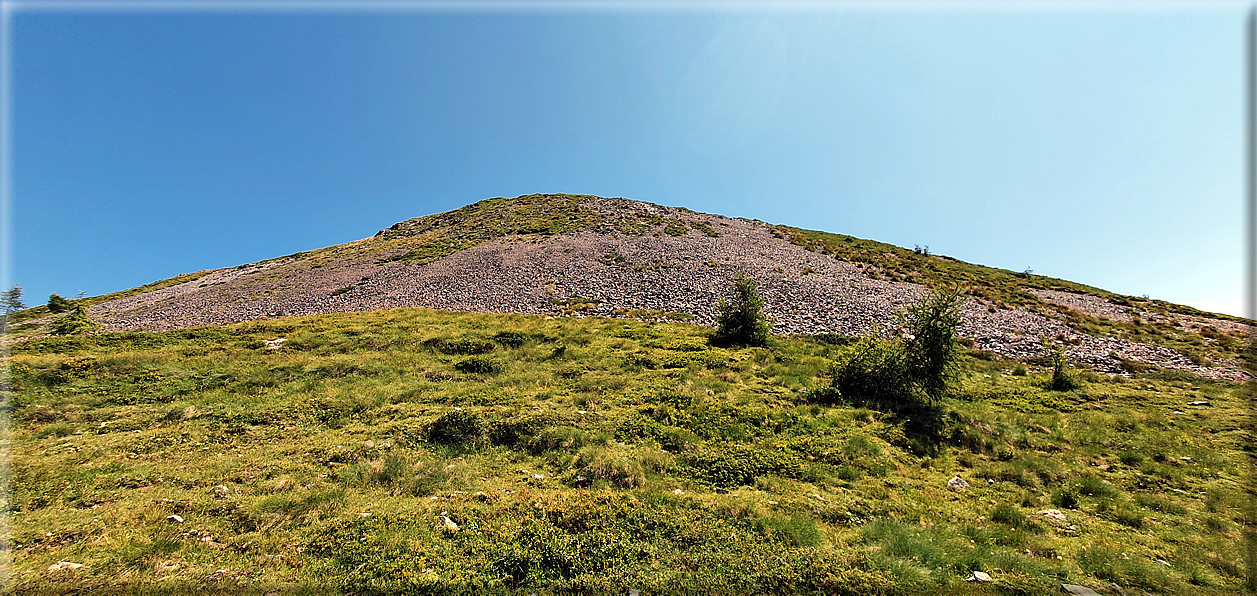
(585, 255)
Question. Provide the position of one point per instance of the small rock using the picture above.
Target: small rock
(978, 576)
(1079, 590)
(449, 524)
(64, 565)
(174, 519)
(536, 476)
(1197, 403)
(957, 483)
(1055, 516)
(221, 491)
(818, 497)
(273, 344)
(1163, 562)
(368, 443)
(677, 491)
(1186, 459)
(1105, 467)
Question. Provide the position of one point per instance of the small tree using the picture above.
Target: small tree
(59, 304)
(743, 322)
(932, 352)
(1062, 380)
(11, 300)
(75, 323)
(910, 372)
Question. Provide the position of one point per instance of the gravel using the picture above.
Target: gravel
(804, 292)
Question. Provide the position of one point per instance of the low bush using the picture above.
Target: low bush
(456, 427)
(743, 322)
(479, 365)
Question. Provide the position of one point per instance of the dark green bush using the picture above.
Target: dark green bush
(75, 323)
(463, 346)
(932, 350)
(1065, 499)
(1062, 380)
(873, 372)
(743, 322)
(479, 365)
(59, 304)
(456, 427)
(511, 339)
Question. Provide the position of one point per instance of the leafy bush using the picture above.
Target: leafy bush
(916, 370)
(455, 428)
(462, 346)
(1062, 380)
(743, 322)
(932, 351)
(479, 365)
(511, 339)
(873, 372)
(75, 323)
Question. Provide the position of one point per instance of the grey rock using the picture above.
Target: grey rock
(1079, 590)
(978, 576)
(957, 483)
(174, 519)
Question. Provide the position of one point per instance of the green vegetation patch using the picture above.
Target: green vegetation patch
(605, 455)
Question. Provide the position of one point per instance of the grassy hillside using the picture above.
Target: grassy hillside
(596, 455)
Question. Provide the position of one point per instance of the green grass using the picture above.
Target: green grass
(594, 455)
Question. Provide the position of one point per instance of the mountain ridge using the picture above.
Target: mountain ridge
(580, 255)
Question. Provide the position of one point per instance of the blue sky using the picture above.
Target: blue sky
(1104, 147)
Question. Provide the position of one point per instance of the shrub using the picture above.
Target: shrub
(932, 353)
(75, 323)
(59, 304)
(511, 339)
(874, 371)
(1062, 380)
(478, 365)
(462, 346)
(743, 322)
(455, 428)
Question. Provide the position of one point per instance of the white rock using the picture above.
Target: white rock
(957, 483)
(449, 524)
(978, 576)
(64, 565)
(174, 519)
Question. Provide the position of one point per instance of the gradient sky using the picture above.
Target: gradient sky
(1104, 147)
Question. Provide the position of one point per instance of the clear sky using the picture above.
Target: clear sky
(1101, 146)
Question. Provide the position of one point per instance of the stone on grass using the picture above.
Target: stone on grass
(1197, 403)
(978, 576)
(273, 344)
(957, 483)
(174, 519)
(1079, 590)
(64, 565)
(449, 524)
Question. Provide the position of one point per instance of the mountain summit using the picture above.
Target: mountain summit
(580, 255)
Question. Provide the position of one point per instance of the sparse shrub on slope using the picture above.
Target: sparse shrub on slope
(456, 428)
(743, 322)
(75, 323)
(932, 351)
(904, 372)
(59, 304)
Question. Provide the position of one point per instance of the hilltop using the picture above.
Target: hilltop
(301, 425)
(583, 255)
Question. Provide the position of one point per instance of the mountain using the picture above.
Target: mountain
(583, 255)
